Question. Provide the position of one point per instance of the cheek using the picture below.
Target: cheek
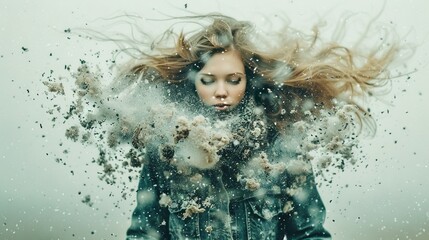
(241, 91)
(203, 92)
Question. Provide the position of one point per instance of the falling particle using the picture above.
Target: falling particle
(186, 5)
(87, 200)
(72, 133)
(67, 30)
(24, 49)
(40, 125)
(55, 87)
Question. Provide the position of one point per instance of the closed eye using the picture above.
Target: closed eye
(235, 80)
(206, 80)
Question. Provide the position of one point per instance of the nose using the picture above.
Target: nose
(221, 91)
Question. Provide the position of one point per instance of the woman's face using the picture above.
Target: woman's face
(221, 83)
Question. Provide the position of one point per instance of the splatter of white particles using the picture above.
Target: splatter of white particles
(123, 117)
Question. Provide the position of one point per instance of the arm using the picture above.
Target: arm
(305, 220)
(149, 220)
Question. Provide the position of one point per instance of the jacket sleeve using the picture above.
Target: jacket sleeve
(306, 218)
(149, 220)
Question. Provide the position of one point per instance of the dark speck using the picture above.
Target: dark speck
(24, 49)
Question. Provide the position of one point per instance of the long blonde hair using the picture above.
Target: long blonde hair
(283, 78)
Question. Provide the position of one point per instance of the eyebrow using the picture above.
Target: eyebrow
(228, 75)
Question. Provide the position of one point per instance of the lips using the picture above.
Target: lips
(221, 106)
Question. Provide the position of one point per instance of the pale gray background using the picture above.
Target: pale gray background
(39, 198)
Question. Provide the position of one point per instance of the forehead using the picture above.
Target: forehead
(224, 63)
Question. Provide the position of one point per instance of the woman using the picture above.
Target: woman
(227, 171)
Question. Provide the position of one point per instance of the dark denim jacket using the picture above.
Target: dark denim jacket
(212, 207)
